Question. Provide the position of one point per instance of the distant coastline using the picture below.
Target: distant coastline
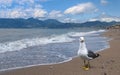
(49, 23)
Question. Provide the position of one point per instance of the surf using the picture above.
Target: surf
(36, 41)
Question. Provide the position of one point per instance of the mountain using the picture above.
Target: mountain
(49, 23)
(99, 24)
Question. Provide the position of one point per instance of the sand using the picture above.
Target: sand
(107, 64)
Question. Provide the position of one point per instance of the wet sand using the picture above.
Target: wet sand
(107, 64)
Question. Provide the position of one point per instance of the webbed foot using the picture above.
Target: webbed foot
(86, 67)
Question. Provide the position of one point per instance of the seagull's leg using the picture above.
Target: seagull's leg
(85, 67)
(84, 63)
(89, 63)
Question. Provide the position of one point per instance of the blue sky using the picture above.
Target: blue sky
(62, 10)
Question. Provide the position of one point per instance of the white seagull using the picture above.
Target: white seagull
(86, 54)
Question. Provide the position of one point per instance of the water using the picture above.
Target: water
(26, 47)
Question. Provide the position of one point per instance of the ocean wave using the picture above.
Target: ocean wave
(25, 43)
(76, 34)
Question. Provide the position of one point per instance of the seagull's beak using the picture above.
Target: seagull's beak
(81, 41)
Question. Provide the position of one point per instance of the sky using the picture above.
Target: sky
(63, 10)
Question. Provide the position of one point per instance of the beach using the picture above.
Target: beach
(107, 64)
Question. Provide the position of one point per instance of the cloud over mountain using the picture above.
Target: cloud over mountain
(67, 11)
(55, 14)
(106, 18)
(81, 8)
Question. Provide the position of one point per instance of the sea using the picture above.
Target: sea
(21, 48)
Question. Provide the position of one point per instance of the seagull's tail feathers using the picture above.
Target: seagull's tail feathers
(97, 55)
(92, 54)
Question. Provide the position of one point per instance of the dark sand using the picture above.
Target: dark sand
(107, 64)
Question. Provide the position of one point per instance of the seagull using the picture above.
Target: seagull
(86, 54)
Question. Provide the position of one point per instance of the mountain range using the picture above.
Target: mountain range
(49, 23)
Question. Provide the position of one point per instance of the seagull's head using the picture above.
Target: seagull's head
(82, 39)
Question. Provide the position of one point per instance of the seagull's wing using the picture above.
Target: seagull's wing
(91, 54)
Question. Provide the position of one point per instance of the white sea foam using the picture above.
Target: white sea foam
(75, 34)
(25, 43)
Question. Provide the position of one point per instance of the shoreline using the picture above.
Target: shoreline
(9, 69)
(99, 32)
(70, 59)
(73, 67)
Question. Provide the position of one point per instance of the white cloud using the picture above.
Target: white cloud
(16, 14)
(81, 8)
(106, 18)
(23, 13)
(110, 19)
(21, 9)
(39, 13)
(22, 2)
(5, 3)
(55, 14)
(104, 2)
